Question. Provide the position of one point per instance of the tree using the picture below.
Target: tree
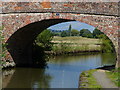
(107, 45)
(90, 35)
(96, 33)
(83, 31)
(86, 33)
(64, 34)
(69, 30)
(74, 32)
(44, 39)
(56, 34)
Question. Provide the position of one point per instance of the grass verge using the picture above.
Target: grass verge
(87, 80)
(114, 76)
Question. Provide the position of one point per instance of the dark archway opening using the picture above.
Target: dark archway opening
(20, 43)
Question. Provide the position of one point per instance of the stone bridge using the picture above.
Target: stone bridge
(23, 21)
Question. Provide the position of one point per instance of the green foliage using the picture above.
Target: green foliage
(96, 33)
(107, 45)
(86, 33)
(56, 34)
(74, 32)
(64, 33)
(82, 31)
(39, 57)
(88, 80)
(61, 48)
(41, 44)
(44, 39)
(2, 48)
(69, 30)
(114, 76)
(66, 45)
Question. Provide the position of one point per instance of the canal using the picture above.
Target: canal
(61, 72)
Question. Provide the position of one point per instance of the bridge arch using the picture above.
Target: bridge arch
(25, 27)
(20, 43)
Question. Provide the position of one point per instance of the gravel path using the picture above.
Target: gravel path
(103, 80)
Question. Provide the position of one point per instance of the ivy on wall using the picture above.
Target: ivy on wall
(2, 48)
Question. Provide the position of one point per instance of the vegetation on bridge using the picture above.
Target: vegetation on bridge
(2, 49)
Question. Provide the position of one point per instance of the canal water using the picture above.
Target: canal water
(62, 72)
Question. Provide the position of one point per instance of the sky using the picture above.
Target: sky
(75, 25)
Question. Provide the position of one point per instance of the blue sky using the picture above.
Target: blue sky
(75, 25)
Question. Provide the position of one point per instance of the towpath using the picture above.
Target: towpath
(103, 80)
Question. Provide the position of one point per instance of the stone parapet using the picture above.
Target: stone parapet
(104, 8)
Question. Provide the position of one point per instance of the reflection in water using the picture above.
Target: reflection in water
(62, 72)
(29, 78)
(6, 76)
(108, 58)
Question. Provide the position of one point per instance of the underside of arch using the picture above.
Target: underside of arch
(20, 43)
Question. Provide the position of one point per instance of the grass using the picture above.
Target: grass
(78, 40)
(73, 44)
(87, 80)
(114, 75)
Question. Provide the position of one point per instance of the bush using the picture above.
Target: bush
(38, 56)
(107, 45)
(86, 33)
(44, 39)
(64, 33)
(96, 33)
(74, 32)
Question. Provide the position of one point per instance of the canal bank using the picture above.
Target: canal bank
(102, 77)
(77, 52)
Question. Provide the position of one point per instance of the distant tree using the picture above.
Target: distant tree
(44, 39)
(69, 30)
(86, 33)
(74, 32)
(90, 35)
(64, 33)
(96, 33)
(56, 34)
(83, 31)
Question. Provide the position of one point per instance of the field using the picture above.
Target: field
(75, 44)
